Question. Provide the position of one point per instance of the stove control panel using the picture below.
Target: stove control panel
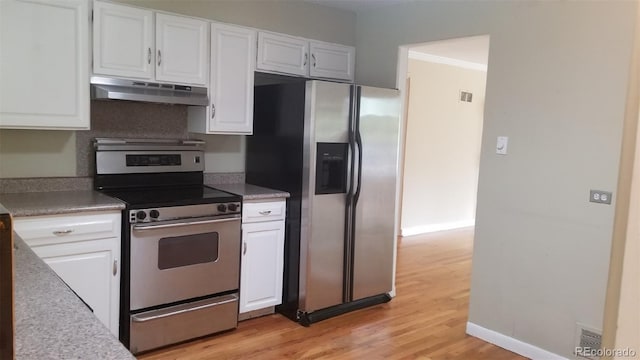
(184, 212)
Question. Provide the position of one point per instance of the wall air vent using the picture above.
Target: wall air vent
(588, 342)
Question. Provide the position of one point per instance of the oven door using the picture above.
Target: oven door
(179, 260)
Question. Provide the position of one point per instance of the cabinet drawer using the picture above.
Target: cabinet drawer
(186, 321)
(56, 229)
(263, 211)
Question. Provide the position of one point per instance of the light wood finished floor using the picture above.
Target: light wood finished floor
(426, 320)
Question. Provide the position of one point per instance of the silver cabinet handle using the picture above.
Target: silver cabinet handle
(264, 212)
(149, 56)
(244, 250)
(159, 57)
(62, 232)
(313, 56)
(213, 110)
(115, 267)
(306, 57)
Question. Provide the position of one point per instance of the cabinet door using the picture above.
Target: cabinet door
(44, 64)
(332, 61)
(122, 41)
(262, 265)
(84, 250)
(284, 54)
(181, 49)
(233, 62)
(91, 269)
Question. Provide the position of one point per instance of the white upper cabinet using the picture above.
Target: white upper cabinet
(297, 56)
(44, 64)
(127, 43)
(181, 49)
(233, 62)
(122, 41)
(332, 61)
(282, 53)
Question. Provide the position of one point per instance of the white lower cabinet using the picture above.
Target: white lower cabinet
(261, 271)
(84, 250)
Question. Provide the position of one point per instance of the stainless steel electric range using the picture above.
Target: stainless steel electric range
(180, 241)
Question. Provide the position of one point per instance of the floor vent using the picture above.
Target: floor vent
(588, 341)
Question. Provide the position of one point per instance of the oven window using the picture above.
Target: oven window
(187, 250)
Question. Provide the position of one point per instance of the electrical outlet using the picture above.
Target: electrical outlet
(600, 197)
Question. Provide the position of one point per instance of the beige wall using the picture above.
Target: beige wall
(46, 154)
(627, 331)
(622, 311)
(556, 85)
(34, 153)
(442, 149)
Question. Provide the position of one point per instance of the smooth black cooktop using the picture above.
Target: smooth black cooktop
(140, 198)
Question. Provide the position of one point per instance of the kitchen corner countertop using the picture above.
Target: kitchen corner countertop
(252, 192)
(58, 202)
(51, 321)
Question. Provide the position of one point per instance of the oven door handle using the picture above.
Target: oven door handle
(162, 313)
(177, 223)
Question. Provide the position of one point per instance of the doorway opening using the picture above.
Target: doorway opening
(444, 84)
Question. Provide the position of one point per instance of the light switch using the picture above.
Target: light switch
(501, 145)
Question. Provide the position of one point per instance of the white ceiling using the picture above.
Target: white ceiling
(474, 49)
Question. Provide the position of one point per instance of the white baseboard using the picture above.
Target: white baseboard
(511, 344)
(425, 229)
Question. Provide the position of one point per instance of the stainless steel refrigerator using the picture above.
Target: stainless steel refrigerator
(334, 147)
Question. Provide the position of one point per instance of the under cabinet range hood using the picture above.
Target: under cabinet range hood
(104, 88)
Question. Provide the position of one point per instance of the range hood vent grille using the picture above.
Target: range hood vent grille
(103, 88)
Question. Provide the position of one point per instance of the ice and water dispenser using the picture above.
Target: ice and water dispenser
(331, 168)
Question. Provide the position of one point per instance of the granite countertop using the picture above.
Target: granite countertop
(58, 202)
(252, 192)
(51, 321)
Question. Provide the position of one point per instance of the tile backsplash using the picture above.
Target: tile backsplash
(128, 119)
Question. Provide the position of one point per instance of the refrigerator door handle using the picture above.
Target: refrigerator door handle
(358, 141)
(355, 142)
(349, 206)
(352, 148)
(356, 170)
